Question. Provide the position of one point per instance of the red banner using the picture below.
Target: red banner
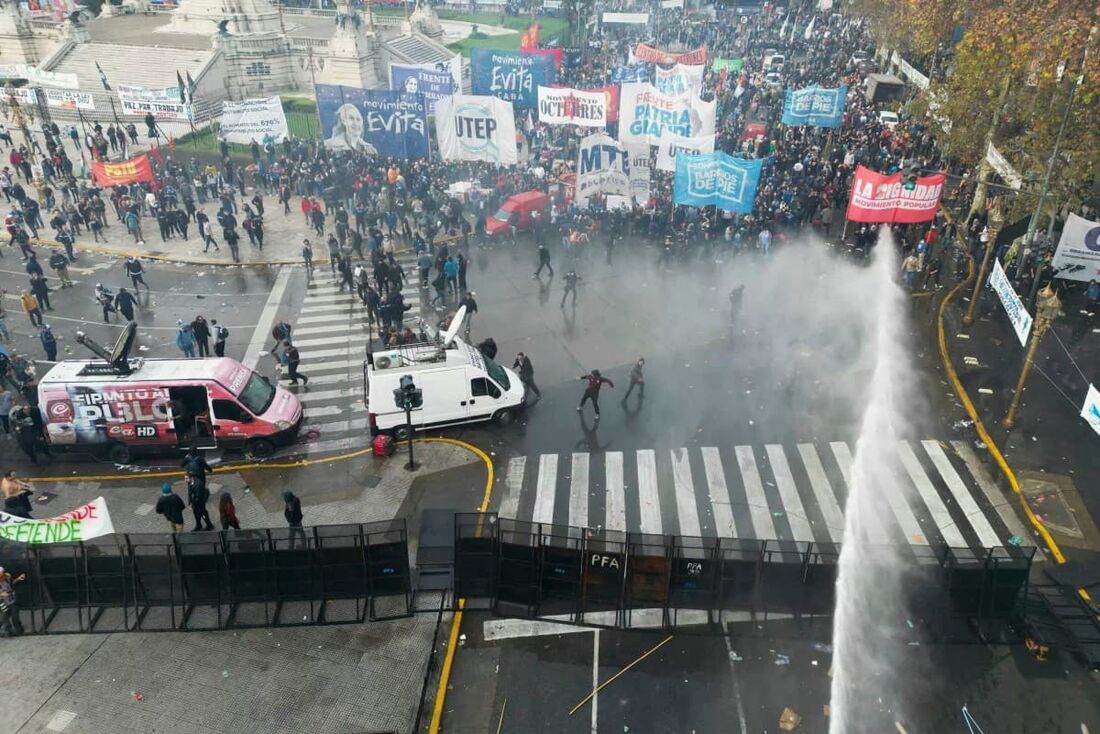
(880, 198)
(555, 52)
(128, 171)
(642, 52)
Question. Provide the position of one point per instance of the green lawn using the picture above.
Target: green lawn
(549, 28)
(301, 121)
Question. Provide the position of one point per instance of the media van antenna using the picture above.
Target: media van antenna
(118, 358)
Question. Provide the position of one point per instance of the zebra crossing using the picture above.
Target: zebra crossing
(331, 331)
(941, 494)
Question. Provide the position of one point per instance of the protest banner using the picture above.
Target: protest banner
(647, 116)
(877, 197)
(84, 523)
(566, 106)
(132, 170)
(1014, 307)
(815, 106)
(72, 99)
(434, 81)
(164, 104)
(476, 128)
(717, 179)
(253, 119)
(643, 52)
(36, 76)
(386, 123)
(1078, 253)
(626, 18)
(734, 65)
(639, 173)
(672, 147)
(680, 80)
(513, 76)
(603, 167)
(621, 74)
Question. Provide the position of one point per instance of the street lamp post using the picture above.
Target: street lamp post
(995, 220)
(1048, 310)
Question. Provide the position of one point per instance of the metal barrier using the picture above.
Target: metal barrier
(329, 574)
(597, 577)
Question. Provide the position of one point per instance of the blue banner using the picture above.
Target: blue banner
(434, 84)
(815, 106)
(716, 179)
(513, 76)
(389, 124)
(639, 73)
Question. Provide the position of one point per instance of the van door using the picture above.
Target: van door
(230, 421)
(189, 407)
(484, 394)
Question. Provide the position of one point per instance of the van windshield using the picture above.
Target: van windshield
(257, 394)
(504, 215)
(498, 374)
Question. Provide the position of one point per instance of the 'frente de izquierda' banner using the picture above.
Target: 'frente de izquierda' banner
(390, 124)
(514, 76)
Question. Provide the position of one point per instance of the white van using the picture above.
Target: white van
(459, 383)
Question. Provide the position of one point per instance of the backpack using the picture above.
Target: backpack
(222, 334)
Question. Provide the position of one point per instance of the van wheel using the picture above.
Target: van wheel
(119, 453)
(503, 417)
(260, 448)
(401, 433)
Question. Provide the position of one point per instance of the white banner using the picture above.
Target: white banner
(567, 106)
(23, 95)
(1078, 253)
(160, 110)
(602, 168)
(476, 128)
(1014, 307)
(668, 149)
(1090, 411)
(551, 4)
(679, 81)
(627, 18)
(141, 94)
(34, 75)
(647, 116)
(1003, 168)
(70, 98)
(90, 521)
(672, 4)
(639, 172)
(253, 119)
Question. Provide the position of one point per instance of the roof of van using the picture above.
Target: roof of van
(220, 369)
(528, 196)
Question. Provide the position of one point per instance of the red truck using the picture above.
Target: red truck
(516, 212)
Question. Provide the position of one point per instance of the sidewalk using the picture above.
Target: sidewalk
(1054, 454)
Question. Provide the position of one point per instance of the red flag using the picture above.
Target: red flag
(171, 143)
(530, 38)
(155, 152)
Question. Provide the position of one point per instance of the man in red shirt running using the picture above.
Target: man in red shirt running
(592, 390)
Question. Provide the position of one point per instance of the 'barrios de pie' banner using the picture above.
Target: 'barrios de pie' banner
(90, 521)
(131, 170)
(390, 124)
(717, 179)
(877, 197)
(643, 52)
(513, 76)
(815, 106)
(637, 73)
(647, 116)
(567, 106)
(476, 128)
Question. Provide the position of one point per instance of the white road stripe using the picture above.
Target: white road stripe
(616, 499)
(333, 297)
(315, 396)
(903, 513)
(997, 500)
(327, 365)
(338, 426)
(686, 505)
(331, 327)
(322, 411)
(788, 493)
(826, 499)
(352, 349)
(649, 502)
(936, 508)
(544, 491)
(340, 378)
(578, 491)
(261, 337)
(762, 525)
(843, 456)
(513, 486)
(355, 318)
(328, 341)
(724, 526)
(986, 535)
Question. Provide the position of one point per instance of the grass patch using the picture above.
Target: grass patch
(549, 29)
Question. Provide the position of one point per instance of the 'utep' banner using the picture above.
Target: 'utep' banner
(672, 148)
(621, 74)
(603, 167)
(717, 179)
(566, 106)
(647, 116)
(132, 170)
(880, 198)
(253, 119)
(514, 76)
(434, 83)
(642, 52)
(476, 128)
(84, 523)
(681, 80)
(389, 124)
(815, 106)
(1078, 253)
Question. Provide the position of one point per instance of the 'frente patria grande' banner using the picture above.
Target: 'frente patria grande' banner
(514, 76)
(647, 116)
(476, 128)
(566, 106)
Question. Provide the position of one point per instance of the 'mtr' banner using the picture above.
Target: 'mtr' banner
(389, 124)
(877, 197)
(131, 170)
(815, 106)
(717, 179)
(513, 76)
(603, 167)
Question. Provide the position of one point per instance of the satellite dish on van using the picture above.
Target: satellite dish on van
(123, 345)
(456, 324)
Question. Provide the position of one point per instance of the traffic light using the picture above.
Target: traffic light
(910, 175)
(408, 396)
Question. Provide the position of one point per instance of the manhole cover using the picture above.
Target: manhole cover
(312, 435)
